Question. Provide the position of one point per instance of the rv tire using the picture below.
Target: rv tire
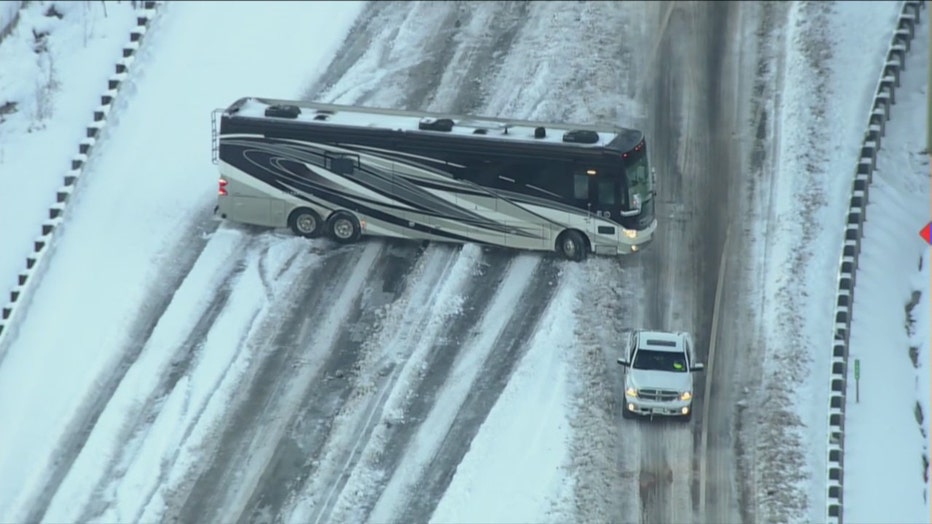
(571, 244)
(343, 227)
(305, 222)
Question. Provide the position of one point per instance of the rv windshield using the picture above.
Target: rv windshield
(637, 173)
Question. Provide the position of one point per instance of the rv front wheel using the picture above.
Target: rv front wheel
(305, 222)
(571, 245)
(343, 227)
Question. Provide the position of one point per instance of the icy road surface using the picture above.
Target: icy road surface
(210, 372)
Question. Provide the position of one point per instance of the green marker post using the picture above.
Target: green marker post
(857, 380)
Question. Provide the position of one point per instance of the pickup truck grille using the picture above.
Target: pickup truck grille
(662, 395)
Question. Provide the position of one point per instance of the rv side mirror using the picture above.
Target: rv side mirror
(623, 362)
(698, 367)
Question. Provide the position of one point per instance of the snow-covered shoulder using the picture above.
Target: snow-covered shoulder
(833, 54)
(887, 410)
(109, 269)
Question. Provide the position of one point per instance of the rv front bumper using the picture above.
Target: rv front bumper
(633, 244)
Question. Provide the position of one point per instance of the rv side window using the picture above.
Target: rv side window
(607, 192)
(581, 187)
(342, 165)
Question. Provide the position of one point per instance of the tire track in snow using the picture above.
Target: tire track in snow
(229, 346)
(664, 471)
(386, 448)
(364, 63)
(508, 348)
(666, 454)
(181, 361)
(465, 46)
(299, 340)
(693, 102)
(166, 466)
(482, 39)
(298, 454)
(389, 353)
(184, 255)
(605, 446)
(244, 346)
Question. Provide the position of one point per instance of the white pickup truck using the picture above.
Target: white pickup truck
(659, 374)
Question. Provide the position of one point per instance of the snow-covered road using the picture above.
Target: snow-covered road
(187, 369)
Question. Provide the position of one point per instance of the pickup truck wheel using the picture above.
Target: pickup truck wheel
(625, 413)
(687, 417)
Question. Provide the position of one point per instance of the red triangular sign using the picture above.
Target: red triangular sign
(926, 233)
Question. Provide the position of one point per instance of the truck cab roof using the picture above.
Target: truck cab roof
(662, 341)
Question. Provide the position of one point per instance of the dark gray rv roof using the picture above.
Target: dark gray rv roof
(318, 114)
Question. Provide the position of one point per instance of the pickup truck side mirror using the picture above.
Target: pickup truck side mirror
(624, 362)
(697, 367)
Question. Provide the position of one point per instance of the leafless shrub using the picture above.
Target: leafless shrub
(46, 87)
(7, 108)
(40, 42)
(53, 11)
(88, 19)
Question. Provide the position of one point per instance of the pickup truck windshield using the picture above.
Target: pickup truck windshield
(659, 361)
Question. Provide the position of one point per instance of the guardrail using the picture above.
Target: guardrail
(35, 261)
(876, 127)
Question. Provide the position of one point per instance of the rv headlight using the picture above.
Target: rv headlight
(686, 395)
(631, 392)
(630, 233)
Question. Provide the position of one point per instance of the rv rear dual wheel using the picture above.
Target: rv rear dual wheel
(343, 227)
(571, 244)
(305, 222)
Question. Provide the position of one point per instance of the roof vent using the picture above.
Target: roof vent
(480, 131)
(283, 111)
(435, 124)
(581, 136)
(540, 132)
(323, 114)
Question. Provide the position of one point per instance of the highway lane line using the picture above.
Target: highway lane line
(708, 375)
(653, 54)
